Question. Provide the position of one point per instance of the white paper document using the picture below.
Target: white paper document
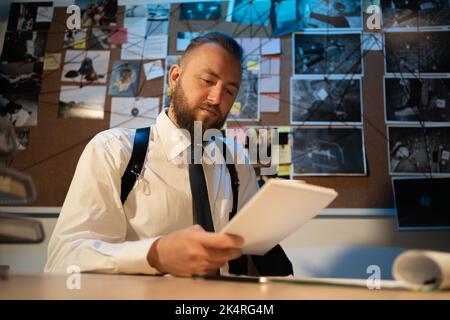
(133, 112)
(276, 211)
(153, 70)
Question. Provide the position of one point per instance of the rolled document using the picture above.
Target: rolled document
(423, 270)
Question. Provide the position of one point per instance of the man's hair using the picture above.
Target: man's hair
(221, 39)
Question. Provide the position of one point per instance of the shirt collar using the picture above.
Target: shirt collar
(173, 139)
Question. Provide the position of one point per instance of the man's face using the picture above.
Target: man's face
(204, 87)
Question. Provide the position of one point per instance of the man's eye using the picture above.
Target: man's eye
(231, 93)
(207, 81)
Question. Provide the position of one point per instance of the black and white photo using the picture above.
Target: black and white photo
(30, 16)
(327, 53)
(328, 151)
(98, 13)
(85, 66)
(415, 14)
(246, 105)
(297, 15)
(20, 110)
(82, 102)
(417, 52)
(331, 100)
(24, 46)
(410, 99)
(20, 78)
(419, 150)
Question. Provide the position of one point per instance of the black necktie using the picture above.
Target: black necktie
(200, 200)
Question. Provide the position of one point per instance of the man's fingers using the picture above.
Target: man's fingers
(220, 240)
(223, 254)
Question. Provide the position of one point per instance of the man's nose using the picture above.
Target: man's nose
(215, 94)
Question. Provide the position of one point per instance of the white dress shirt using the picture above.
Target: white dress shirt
(96, 233)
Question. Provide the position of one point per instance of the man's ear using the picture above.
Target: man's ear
(174, 75)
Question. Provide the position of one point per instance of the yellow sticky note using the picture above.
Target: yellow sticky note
(235, 109)
(52, 61)
(284, 129)
(79, 44)
(253, 65)
(284, 170)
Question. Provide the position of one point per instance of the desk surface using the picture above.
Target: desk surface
(100, 286)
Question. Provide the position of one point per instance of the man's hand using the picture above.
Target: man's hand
(193, 251)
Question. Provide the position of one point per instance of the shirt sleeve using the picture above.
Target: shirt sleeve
(91, 230)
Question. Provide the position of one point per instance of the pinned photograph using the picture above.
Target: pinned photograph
(75, 39)
(413, 100)
(100, 39)
(23, 138)
(254, 12)
(201, 10)
(328, 151)
(20, 78)
(135, 11)
(85, 103)
(424, 14)
(133, 112)
(125, 78)
(323, 101)
(30, 16)
(97, 13)
(246, 106)
(157, 19)
(327, 53)
(19, 110)
(158, 11)
(419, 150)
(85, 66)
(184, 38)
(153, 70)
(24, 46)
(298, 15)
(417, 52)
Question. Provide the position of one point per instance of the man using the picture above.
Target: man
(153, 231)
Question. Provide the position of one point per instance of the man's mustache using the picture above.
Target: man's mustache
(209, 106)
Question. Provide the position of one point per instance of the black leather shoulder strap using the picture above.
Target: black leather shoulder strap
(234, 178)
(136, 162)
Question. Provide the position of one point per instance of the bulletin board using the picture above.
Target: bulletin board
(55, 144)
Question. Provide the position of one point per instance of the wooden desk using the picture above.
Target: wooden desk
(99, 286)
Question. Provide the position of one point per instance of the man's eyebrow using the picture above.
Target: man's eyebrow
(212, 73)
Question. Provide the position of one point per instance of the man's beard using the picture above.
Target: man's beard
(185, 115)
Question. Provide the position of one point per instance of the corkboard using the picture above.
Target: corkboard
(56, 144)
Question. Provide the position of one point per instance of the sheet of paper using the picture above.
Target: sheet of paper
(136, 27)
(269, 84)
(154, 47)
(255, 221)
(44, 14)
(251, 46)
(270, 46)
(269, 102)
(270, 65)
(153, 70)
(133, 112)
